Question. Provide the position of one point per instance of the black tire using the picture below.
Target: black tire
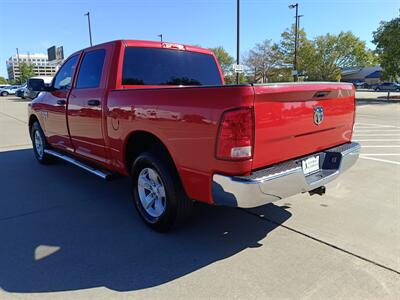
(41, 156)
(397, 90)
(377, 89)
(4, 93)
(177, 206)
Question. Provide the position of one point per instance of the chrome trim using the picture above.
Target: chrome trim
(100, 173)
(277, 175)
(357, 147)
(249, 192)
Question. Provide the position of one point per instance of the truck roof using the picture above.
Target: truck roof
(153, 44)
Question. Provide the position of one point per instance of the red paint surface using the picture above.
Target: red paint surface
(186, 120)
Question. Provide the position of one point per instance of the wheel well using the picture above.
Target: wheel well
(141, 141)
(32, 119)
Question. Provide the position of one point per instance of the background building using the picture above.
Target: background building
(39, 62)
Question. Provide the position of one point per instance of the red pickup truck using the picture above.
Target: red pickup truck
(160, 113)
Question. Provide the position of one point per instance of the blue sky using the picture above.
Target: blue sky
(35, 25)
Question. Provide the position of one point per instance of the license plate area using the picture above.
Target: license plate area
(310, 165)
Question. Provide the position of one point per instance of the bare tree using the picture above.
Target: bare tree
(263, 61)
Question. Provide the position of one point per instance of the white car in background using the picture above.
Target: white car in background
(9, 90)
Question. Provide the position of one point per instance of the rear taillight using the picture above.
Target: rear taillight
(235, 136)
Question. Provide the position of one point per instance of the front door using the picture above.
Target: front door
(55, 103)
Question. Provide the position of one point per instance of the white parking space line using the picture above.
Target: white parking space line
(381, 160)
(380, 146)
(377, 129)
(375, 125)
(380, 154)
(376, 134)
(379, 140)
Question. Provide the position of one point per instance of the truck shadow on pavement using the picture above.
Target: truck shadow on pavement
(63, 229)
(364, 102)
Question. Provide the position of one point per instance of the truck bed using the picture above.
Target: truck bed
(186, 120)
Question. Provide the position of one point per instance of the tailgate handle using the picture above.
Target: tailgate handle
(321, 94)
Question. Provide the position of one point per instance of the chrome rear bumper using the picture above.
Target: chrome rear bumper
(282, 180)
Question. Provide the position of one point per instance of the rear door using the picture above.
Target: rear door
(85, 105)
(293, 120)
(54, 106)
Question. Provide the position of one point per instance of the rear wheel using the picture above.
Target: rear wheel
(39, 144)
(157, 192)
(4, 93)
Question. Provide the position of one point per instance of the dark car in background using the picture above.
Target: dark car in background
(361, 85)
(20, 92)
(388, 86)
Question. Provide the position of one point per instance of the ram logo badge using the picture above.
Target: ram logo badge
(318, 115)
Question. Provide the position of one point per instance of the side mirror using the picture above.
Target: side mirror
(36, 85)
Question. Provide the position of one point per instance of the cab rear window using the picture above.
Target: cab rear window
(154, 66)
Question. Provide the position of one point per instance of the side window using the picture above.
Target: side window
(64, 76)
(89, 75)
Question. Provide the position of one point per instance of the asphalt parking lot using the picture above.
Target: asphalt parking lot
(66, 234)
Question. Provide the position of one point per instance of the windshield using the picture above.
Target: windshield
(153, 66)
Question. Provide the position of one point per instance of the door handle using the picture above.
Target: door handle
(93, 102)
(61, 102)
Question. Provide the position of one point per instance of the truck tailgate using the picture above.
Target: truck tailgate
(287, 117)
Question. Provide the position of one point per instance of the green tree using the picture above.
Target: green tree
(387, 41)
(3, 80)
(226, 61)
(264, 61)
(231, 78)
(326, 56)
(287, 44)
(26, 72)
(13, 81)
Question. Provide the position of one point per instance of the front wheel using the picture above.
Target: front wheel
(4, 93)
(157, 192)
(39, 144)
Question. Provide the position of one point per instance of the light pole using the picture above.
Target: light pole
(160, 36)
(298, 38)
(295, 40)
(298, 24)
(90, 30)
(19, 67)
(237, 37)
